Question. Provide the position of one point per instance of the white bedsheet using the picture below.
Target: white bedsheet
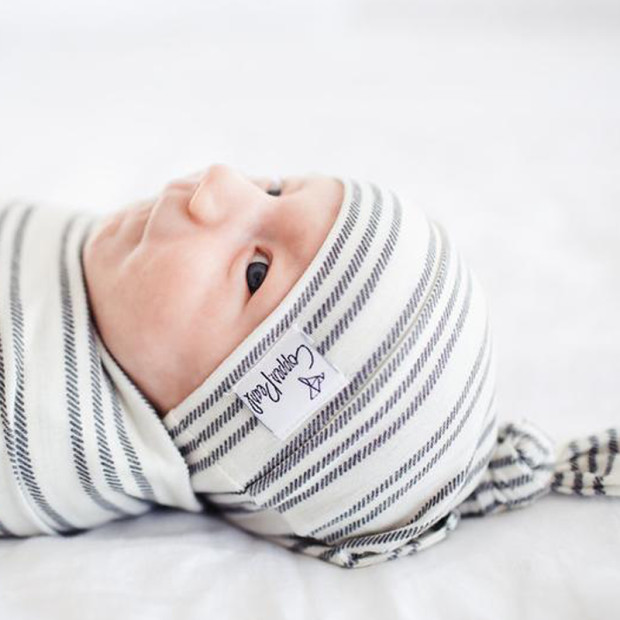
(502, 120)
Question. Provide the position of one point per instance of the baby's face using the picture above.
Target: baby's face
(167, 280)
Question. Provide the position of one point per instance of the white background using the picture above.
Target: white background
(500, 118)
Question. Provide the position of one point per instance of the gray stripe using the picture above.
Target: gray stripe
(612, 448)
(598, 485)
(361, 299)
(72, 387)
(523, 479)
(321, 313)
(130, 453)
(396, 334)
(404, 533)
(320, 420)
(230, 442)
(454, 485)
(363, 296)
(407, 467)
(327, 555)
(106, 459)
(26, 469)
(558, 480)
(578, 478)
(391, 431)
(272, 336)
(408, 548)
(394, 362)
(592, 454)
(6, 425)
(511, 483)
(510, 430)
(98, 371)
(105, 456)
(355, 264)
(341, 286)
(508, 462)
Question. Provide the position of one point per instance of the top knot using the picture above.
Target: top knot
(589, 466)
(519, 471)
(523, 468)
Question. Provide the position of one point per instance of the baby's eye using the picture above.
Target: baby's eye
(256, 272)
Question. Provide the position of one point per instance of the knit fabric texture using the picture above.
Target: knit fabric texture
(387, 466)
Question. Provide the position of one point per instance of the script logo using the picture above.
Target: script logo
(314, 383)
(273, 385)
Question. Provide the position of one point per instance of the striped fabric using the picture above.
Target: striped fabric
(78, 447)
(385, 468)
(390, 303)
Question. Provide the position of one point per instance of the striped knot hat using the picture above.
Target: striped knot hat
(357, 423)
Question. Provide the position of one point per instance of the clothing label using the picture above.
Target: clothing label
(289, 383)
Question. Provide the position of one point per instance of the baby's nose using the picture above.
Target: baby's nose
(223, 194)
(209, 202)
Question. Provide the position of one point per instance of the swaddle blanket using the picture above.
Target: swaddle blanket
(357, 423)
(78, 447)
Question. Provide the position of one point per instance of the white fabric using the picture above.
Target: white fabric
(387, 465)
(381, 467)
(505, 128)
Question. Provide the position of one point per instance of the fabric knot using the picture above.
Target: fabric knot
(520, 470)
(589, 466)
(523, 468)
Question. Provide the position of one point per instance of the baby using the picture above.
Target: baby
(312, 359)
